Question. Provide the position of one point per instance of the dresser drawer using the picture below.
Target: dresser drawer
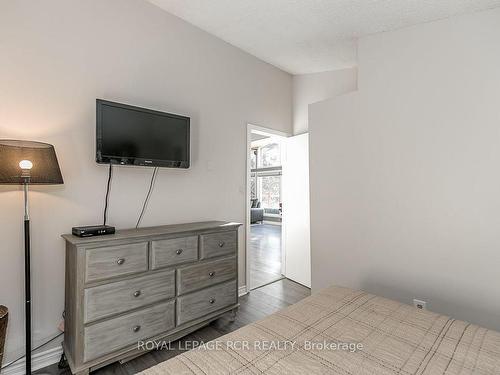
(173, 251)
(105, 300)
(191, 278)
(113, 334)
(106, 262)
(206, 301)
(216, 244)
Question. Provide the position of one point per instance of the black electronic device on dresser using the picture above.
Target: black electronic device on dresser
(92, 230)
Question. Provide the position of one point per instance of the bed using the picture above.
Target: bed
(348, 332)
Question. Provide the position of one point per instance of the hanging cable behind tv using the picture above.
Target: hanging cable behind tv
(98, 230)
(148, 196)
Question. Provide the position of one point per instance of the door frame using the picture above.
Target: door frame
(257, 128)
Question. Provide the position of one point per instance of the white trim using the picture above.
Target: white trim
(39, 360)
(242, 290)
(247, 203)
(284, 161)
(265, 131)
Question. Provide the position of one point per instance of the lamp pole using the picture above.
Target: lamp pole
(27, 268)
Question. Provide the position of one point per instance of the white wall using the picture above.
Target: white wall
(315, 87)
(296, 221)
(57, 57)
(405, 174)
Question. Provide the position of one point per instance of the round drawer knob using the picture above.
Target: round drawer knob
(179, 252)
(120, 261)
(136, 328)
(137, 293)
(221, 244)
(211, 274)
(212, 300)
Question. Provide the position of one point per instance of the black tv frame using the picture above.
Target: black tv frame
(112, 159)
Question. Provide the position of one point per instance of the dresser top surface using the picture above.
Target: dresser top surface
(122, 234)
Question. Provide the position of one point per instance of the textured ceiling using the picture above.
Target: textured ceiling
(306, 36)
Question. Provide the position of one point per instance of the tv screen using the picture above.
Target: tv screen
(130, 135)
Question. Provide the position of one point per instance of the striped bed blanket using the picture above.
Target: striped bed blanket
(346, 332)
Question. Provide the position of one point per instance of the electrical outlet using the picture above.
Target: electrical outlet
(419, 304)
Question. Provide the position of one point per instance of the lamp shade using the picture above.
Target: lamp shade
(30, 162)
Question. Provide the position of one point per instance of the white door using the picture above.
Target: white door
(296, 222)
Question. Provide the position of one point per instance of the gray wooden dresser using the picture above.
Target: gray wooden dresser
(157, 283)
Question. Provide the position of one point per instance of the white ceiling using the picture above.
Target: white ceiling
(307, 36)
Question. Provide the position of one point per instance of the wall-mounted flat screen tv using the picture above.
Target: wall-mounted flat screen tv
(129, 135)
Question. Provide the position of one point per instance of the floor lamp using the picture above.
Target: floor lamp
(28, 163)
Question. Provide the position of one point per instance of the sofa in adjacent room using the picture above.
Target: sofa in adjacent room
(256, 212)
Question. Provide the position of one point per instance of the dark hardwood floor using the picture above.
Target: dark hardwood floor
(265, 254)
(256, 305)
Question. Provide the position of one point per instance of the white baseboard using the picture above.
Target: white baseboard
(39, 360)
(51, 356)
(242, 290)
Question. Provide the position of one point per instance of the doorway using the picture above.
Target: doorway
(265, 245)
(277, 198)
